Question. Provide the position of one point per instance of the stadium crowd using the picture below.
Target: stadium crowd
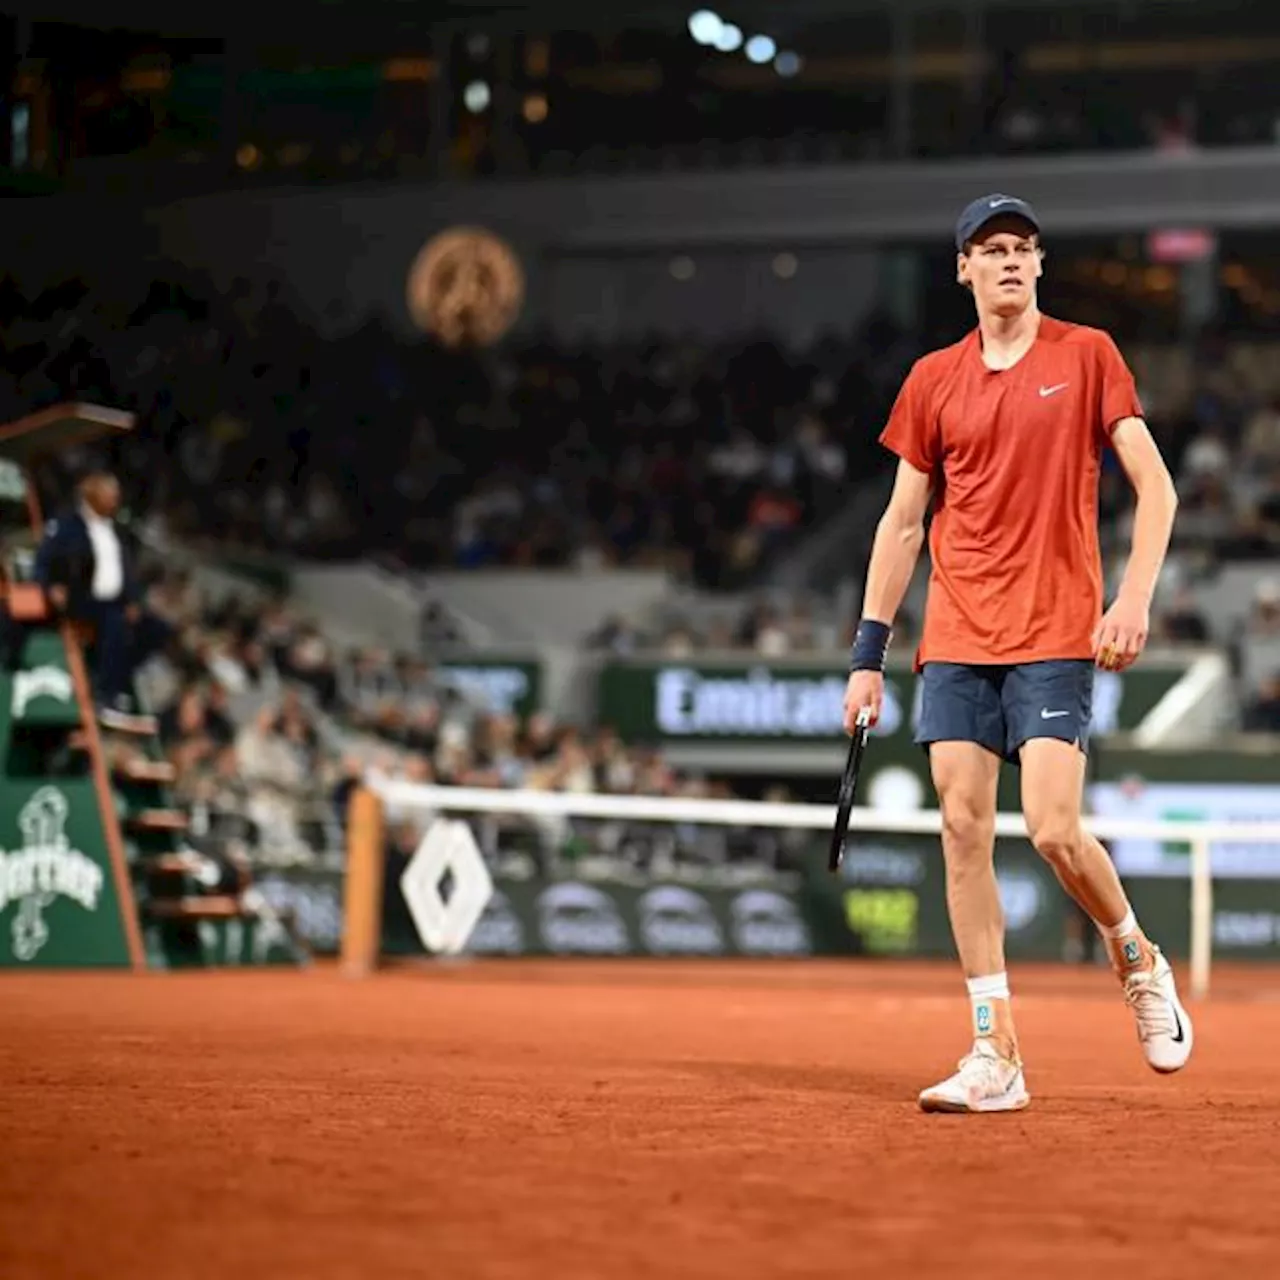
(258, 431)
(269, 726)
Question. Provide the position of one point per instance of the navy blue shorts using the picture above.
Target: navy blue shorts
(1001, 707)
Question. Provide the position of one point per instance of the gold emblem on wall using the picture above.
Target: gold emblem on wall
(465, 287)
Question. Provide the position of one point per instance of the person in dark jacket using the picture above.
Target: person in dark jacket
(89, 574)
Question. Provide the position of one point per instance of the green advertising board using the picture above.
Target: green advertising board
(310, 900)
(893, 894)
(60, 905)
(41, 693)
(235, 942)
(1237, 780)
(58, 900)
(507, 686)
(793, 702)
(1246, 916)
(786, 717)
(888, 900)
(618, 916)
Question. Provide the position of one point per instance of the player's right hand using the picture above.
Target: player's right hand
(865, 689)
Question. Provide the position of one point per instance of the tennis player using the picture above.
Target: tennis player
(1004, 433)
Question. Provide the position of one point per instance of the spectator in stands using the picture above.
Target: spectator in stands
(309, 659)
(497, 749)
(539, 743)
(1264, 619)
(217, 715)
(350, 777)
(615, 769)
(186, 735)
(615, 635)
(1183, 622)
(679, 642)
(1207, 517)
(184, 725)
(1266, 505)
(268, 755)
(1262, 714)
(1261, 444)
(719, 634)
(772, 639)
(761, 629)
(89, 574)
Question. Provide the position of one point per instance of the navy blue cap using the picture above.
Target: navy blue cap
(981, 211)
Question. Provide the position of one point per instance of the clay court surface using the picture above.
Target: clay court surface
(618, 1121)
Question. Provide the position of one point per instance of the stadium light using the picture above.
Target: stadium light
(785, 266)
(787, 63)
(705, 26)
(729, 39)
(476, 97)
(760, 49)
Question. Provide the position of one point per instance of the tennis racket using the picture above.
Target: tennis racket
(848, 785)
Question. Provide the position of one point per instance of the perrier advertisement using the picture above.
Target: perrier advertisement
(58, 903)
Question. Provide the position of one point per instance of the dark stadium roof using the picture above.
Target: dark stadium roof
(303, 17)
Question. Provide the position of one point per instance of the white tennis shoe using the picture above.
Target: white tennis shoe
(985, 1082)
(1164, 1029)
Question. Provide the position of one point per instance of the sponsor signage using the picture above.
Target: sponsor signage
(310, 899)
(40, 691)
(893, 892)
(504, 687)
(1246, 916)
(616, 917)
(799, 702)
(446, 886)
(1190, 802)
(58, 903)
(37, 690)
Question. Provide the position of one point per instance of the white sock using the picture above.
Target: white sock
(1126, 926)
(982, 991)
(1130, 951)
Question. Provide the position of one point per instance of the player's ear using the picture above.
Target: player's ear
(1039, 261)
(962, 268)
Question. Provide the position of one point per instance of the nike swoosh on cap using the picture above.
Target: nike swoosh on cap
(1052, 715)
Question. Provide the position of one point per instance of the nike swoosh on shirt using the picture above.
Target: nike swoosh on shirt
(1053, 391)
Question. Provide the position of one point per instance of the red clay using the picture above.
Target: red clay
(619, 1121)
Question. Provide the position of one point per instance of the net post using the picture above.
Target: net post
(362, 894)
(1201, 916)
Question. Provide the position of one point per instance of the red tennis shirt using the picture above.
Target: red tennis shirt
(1016, 456)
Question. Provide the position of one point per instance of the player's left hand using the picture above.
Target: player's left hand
(1119, 638)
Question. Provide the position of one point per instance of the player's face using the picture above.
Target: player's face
(1002, 266)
